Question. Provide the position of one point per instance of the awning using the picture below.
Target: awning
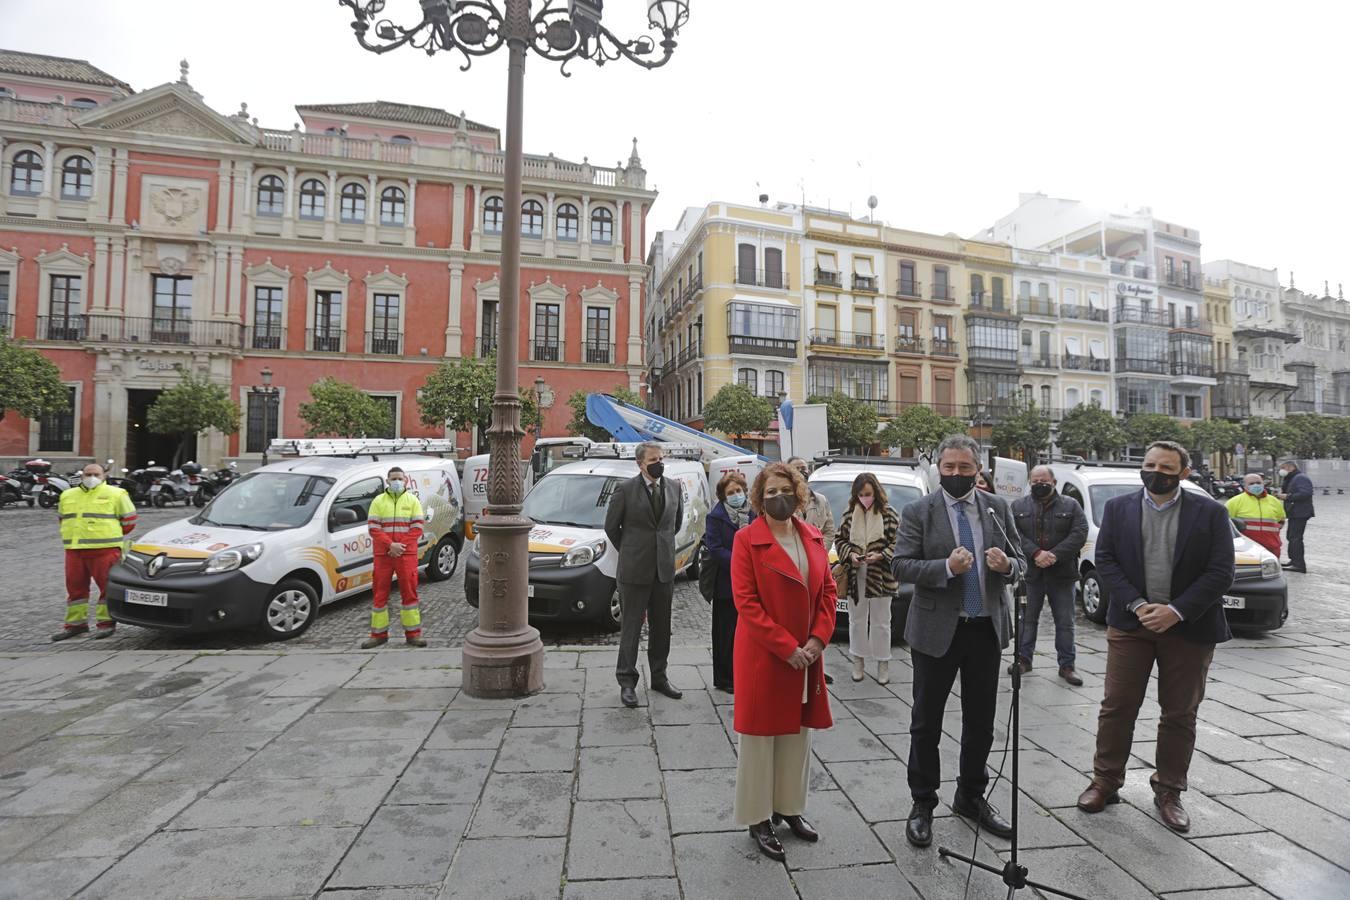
(825, 262)
(1073, 346)
(1097, 349)
(862, 265)
(1096, 300)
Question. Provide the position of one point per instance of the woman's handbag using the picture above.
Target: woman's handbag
(841, 573)
(707, 573)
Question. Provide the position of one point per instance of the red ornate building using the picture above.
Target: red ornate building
(142, 233)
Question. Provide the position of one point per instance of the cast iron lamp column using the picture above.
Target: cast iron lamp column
(503, 656)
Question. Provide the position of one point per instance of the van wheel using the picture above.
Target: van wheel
(1094, 599)
(289, 611)
(611, 617)
(442, 560)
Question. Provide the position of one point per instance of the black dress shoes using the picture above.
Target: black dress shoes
(767, 842)
(980, 810)
(800, 827)
(628, 696)
(668, 689)
(919, 828)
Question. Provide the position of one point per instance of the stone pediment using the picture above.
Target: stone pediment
(170, 109)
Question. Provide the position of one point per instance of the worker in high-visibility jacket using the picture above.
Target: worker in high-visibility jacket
(395, 521)
(1262, 512)
(95, 519)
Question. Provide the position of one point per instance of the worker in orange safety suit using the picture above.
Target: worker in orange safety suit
(395, 522)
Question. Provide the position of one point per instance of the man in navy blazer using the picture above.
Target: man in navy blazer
(1164, 556)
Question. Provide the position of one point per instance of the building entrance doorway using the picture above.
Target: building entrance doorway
(142, 444)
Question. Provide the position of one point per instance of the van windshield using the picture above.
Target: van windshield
(837, 492)
(1101, 493)
(266, 501)
(576, 500)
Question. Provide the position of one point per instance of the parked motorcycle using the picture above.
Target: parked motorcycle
(141, 481)
(13, 491)
(166, 487)
(213, 483)
(23, 480)
(119, 481)
(46, 487)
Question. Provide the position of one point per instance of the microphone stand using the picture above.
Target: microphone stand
(1013, 874)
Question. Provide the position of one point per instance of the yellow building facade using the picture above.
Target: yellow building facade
(928, 331)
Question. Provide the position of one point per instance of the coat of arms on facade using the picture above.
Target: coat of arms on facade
(175, 204)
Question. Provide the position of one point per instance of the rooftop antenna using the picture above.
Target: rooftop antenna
(764, 200)
(871, 208)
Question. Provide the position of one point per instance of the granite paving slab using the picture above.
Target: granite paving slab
(1322, 788)
(354, 759)
(380, 725)
(404, 845)
(623, 889)
(548, 749)
(535, 804)
(349, 700)
(51, 879)
(848, 740)
(619, 773)
(606, 727)
(1084, 871)
(1309, 826)
(117, 823)
(846, 839)
(1279, 866)
(296, 801)
(619, 838)
(443, 776)
(693, 747)
(719, 867)
(470, 729)
(877, 882)
(536, 869)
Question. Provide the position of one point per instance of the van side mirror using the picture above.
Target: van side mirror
(345, 516)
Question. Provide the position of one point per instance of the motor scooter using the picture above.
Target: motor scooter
(13, 491)
(166, 487)
(214, 483)
(46, 487)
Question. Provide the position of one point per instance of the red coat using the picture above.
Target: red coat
(777, 613)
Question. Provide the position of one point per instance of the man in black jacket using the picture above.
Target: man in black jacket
(1053, 529)
(1298, 508)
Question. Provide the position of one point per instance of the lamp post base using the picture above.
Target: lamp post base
(503, 656)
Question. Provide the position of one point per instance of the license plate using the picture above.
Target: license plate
(841, 605)
(148, 598)
(1231, 602)
(529, 591)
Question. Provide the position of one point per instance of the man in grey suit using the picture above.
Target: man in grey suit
(959, 548)
(643, 516)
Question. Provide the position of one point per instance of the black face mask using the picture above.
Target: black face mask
(780, 506)
(957, 485)
(656, 470)
(1160, 483)
(1041, 491)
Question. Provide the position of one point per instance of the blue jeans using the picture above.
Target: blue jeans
(1060, 592)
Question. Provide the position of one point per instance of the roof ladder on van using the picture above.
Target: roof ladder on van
(628, 450)
(289, 447)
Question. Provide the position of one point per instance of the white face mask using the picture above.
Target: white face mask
(91, 481)
(395, 486)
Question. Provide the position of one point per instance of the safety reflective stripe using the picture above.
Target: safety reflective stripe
(108, 541)
(67, 515)
(379, 621)
(410, 617)
(77, 611)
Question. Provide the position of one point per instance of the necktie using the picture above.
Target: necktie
(654, 492)
(972, 603)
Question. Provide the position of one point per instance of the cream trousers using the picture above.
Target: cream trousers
(869, 628)
(771, 776)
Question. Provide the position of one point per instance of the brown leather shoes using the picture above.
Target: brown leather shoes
(1096, 798)
(1171, 811)
(1069, 675)
(1020, 663)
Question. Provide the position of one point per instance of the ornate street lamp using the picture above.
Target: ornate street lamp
(271, 401)
(503, 656)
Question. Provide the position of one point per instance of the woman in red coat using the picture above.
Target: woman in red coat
(785, 596)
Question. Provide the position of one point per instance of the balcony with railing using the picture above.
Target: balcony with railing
(139, 330)
(828, 279)
(908, 344)
(339, 146)
(689, 354)
(598, 353)
(942, 293)
(866, 284)
(7, 323)
(1300, 405)
(908, 287)
(1190, 281)
(1130, 269)
(951, 410)
(1084, 313)
(1078, 363)
(1001, 356)
(1157, 366)
(827, 339)
(1190, 320)
(1184, 369)
(944, 347)
(1230, 366)
(1134, 315)
(695, 286)
(1035, 360)
(385, 343)
(985, 303)
(1035, 306)
(546, 351)
(487, 345)
(752, 345)
(265, 337)
(765, 278)
(324, 340)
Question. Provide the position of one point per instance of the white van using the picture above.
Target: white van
(572, 566)
(903, 483)
(285, 539)
(548, 454)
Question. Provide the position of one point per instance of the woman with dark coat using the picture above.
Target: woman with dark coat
(730, 515)
(785, 595)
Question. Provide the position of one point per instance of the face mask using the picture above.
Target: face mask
(1041, 491)
(1160, 483)
(866, 502)
(1256, 490)
(91, 481)
(780, 506)
(735, 501)
(957, 485)
(656, 470)
(396, 487)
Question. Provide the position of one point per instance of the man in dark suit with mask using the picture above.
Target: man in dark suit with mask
(643, 516)
(958, 547)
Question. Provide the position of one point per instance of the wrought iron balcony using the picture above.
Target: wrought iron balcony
(139, 330)
(598, 353)
(1157, 366)
(325, 340)
(761, 346)
(944, 347)
(1080, 363)
(265, 337)
(1193, 369)
(7, 324)
(487, 344)
(865, 283)
(388, 343)
(1134, 270)
(1133, 315)
(546, 351)
(1233, 367)
(1084, 313)
(984, 303)
(60, 328)
(1035, 306)
(689, 354)
(847, 340)
(1038, 360)
(999, 355)
(1190, 281)
(770, 278)
(908, 343)
(943, 293)
(828, 279)
(1190, 322)
(909, 288)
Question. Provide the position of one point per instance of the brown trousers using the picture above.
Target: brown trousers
(1183, 667)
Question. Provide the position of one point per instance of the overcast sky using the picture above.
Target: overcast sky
(1227, 117)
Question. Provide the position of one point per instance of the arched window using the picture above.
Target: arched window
(400, 139)
(26, 176)
(271, 196)
(313, 199)
(602, 226)
(1072, 398)
(493, 212)
(774, 383)
(977, 289)
(1045, 396)
(532, 219)
(77, 179)
(83, 103)
(393, 204)
(352, 203)
(748, 379)
(568, 222)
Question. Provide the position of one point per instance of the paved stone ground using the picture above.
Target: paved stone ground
(287, 772)
(33, 594)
